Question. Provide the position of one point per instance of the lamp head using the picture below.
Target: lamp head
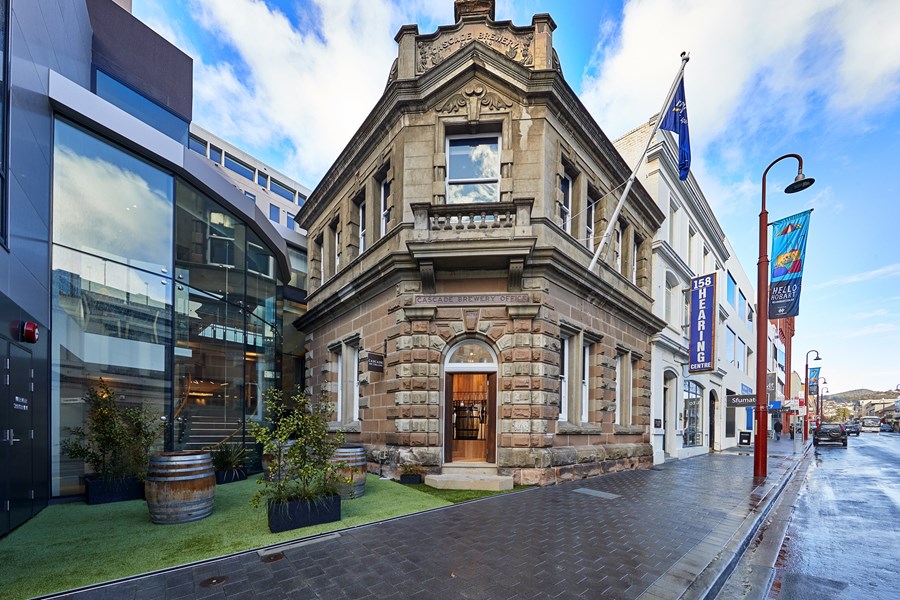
(801, 182)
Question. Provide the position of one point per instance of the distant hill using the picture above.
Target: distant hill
(863, 394)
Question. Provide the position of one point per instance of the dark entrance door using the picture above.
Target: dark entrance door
(470, 430)
(712, 421)
(17, 438)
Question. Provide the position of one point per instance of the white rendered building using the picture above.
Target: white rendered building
(688, 410)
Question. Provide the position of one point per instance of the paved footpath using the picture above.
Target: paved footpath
(673, 531)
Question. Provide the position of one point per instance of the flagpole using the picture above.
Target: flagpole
(685, 57)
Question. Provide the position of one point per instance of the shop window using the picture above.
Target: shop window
(281, 189)
(238, 166)
(564, 353)
(361, 225)
(384, 187)
(345, 357)
(473, 169)
(692, 424)
(590, 214)
(624, 385)
(565, 202)
(585, 382)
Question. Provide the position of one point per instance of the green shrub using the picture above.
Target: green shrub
(300, 446)
(115, 440)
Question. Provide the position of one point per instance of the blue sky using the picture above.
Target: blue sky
(290, 81)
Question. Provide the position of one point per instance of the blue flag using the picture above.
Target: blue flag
(676, 121)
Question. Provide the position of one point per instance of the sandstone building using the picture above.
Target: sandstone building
(452, 318)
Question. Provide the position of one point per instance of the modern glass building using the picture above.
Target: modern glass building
(161, 290)
(135, 258)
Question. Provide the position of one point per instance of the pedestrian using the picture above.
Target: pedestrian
(778, 428)
(791, 430)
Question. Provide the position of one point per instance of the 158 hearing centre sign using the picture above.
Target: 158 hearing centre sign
(703, 324)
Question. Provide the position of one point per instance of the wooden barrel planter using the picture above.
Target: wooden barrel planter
(354, 470)
(180, 487)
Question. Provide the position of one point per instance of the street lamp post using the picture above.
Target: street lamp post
(806, 394)
(801, 182)
(821, 416)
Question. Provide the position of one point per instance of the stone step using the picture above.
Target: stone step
(469, 468)
(455, 481)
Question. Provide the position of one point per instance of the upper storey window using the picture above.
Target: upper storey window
(473, 170)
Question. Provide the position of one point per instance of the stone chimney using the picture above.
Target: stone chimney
(464, 8)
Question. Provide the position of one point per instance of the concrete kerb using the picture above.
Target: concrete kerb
(713, 577)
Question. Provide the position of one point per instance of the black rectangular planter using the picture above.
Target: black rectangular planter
(102, 491)
(410, 479)
(303, 513)
(230, 475)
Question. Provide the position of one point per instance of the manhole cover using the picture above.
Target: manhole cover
(213, 581)
(272, 557)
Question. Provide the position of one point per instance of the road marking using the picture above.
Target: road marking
(603, 495)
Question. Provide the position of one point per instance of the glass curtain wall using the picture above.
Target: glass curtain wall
(191, 334)
(112, 288)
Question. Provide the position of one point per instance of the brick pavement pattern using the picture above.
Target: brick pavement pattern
(646, 532)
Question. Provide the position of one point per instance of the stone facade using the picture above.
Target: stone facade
(400, 271)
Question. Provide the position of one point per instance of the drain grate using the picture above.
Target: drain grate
(213, 581)
(272, 557)
(597, 494)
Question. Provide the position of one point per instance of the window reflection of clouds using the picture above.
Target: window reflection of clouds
(109, 203)
(472, 193)
(476, 158)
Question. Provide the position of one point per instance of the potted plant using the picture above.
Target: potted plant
(229, 462)
(411, 473)
(115, 443)
(300, 487)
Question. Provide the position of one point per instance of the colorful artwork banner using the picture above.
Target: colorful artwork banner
(789, 237)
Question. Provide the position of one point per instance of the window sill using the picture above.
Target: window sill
(567, 428)
(354, 427)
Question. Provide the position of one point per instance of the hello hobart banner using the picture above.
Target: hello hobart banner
(788, 253)
(703, 323)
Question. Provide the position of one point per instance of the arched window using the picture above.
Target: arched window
(471, 355)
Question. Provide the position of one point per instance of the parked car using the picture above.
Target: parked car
(852, 429)
(886, 427)
(830, 433)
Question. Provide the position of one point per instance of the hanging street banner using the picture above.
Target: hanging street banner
(703, 324)
(788, 253)
(814, 381)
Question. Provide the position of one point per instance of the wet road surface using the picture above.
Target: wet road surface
(843, 540)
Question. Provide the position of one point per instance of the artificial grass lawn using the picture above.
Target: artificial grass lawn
(457, 496)
(72, 545)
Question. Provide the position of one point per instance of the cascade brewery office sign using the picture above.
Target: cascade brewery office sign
(375, 362)
(473, 299)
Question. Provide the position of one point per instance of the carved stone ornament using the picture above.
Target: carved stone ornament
(514, 45)
(473, 98)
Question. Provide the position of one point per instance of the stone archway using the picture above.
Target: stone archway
(470, 403)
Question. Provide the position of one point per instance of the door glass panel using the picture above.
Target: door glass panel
(469, 417)
(111, 322)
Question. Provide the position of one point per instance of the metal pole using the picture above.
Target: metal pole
(760, 450)
(685, 57)
(806, 401)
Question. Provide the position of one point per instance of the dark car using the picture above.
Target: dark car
(886, 427)
(830, 433)
(852, 429)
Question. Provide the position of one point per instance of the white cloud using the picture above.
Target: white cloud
(881, 272)
(746, 58)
